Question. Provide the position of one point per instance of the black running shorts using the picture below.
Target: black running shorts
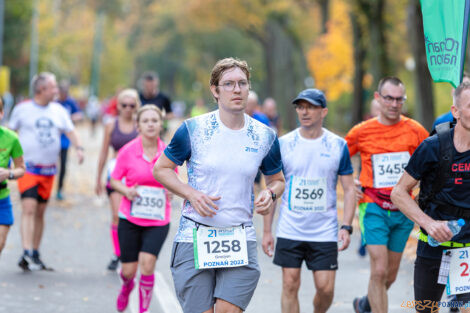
(134, 239)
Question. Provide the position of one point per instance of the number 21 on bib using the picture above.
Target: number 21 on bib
(388, 168)
(216, 247)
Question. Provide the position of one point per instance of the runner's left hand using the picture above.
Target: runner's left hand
(343, 236)
(264, 202)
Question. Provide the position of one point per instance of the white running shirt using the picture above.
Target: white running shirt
(223, 162)
(318, 161)
(39, 129)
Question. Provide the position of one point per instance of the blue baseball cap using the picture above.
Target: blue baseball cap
(312, 96)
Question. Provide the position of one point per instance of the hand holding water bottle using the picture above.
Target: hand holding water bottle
(454, 226)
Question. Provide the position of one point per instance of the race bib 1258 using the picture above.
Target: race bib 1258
(216, 247)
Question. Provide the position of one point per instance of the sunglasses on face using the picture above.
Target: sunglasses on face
(130, 105)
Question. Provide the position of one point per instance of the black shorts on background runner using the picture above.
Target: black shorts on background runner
(319, 256)
(134, 239)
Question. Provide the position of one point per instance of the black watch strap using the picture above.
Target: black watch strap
(273, 194)
(349, 228)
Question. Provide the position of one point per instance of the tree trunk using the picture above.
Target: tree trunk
(279, 61)
(359, 71)
(423, 81)
(379, 59)
(325, 14)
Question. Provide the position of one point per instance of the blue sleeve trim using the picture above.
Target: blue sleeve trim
(179, 149)
(172, 158)
(272, 162)
(345, 166)
(272, 172)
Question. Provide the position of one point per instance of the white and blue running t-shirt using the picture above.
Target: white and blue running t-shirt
(223, 162)
(311, 168)
(39, 128)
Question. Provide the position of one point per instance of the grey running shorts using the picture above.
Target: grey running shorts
(197, 290)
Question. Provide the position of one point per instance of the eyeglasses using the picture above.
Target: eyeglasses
(390, 99)
(229, 85)
(130, 105)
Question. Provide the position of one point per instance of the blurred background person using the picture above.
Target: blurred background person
(10, 148)
(72, 108)
(253, 109)
(143, 225)
(269, 108)
(374, 110)
(93, 111)
(116, 135)
(199, 108)
(151, 94)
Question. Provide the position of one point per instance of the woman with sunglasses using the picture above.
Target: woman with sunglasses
(116, 134)
(144, 213)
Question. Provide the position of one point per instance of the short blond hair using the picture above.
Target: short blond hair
(129, 93)
(148, 107)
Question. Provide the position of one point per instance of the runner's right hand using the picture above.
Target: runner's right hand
(203, 203)
(131, 193)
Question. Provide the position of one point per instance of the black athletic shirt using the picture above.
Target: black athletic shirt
(424, 166)
(160, 100)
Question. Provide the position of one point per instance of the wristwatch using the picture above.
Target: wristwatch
(11, 175)
(273, 194)
(348, 228)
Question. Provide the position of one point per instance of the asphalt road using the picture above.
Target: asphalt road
(76, 244)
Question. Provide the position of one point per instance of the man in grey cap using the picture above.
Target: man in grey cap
(313, 159)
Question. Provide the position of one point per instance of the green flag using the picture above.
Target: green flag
(445, 25)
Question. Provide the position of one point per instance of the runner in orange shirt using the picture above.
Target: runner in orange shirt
(385, 144)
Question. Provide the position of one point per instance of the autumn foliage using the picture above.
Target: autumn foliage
(330, 59)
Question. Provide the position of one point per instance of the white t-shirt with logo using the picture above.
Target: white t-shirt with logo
(39, 129)
(223, 162)
(311, 168)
